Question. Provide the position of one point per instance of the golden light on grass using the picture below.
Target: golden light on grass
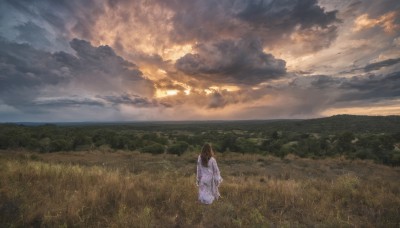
(141, 190)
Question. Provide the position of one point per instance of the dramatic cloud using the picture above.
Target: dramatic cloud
(363, 89)
(279, 18)
(66, 101)
(24, 70)
(32, 33)
(375, 87)
(376, 65)
(30, 77)
(202, 20)
(134, 100)
(227, 61)
(200, 59)
(379, 65)
(386, 21)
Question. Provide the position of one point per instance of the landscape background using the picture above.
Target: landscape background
(336, 171)
(375, 138)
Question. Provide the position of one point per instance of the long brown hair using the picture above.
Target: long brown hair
(206, 154)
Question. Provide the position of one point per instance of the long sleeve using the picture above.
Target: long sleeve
(198, 174)
(216, 173)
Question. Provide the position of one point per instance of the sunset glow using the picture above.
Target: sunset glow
(175, 52)
(164, 93)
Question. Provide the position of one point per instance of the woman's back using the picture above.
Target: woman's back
(208, 177)
(210, 164)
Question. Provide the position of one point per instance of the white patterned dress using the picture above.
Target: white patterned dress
(208, 180)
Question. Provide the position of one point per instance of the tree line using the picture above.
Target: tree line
(164, 138)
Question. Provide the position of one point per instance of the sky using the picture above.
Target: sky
(146, 60)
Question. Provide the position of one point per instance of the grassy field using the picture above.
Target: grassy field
(130, 189)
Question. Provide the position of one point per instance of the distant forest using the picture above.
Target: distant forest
(364, 137)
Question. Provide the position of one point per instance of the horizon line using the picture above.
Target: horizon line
(177, 121)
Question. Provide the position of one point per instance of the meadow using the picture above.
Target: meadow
(132, 189)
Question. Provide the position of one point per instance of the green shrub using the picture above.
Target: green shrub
(154, 148)
(59, 145)
(178, 148)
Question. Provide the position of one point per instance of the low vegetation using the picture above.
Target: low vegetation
(131, 189)
(331, 172)
(354, 137)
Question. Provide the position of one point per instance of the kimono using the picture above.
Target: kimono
(208, 180)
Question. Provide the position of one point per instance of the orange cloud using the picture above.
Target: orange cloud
(137, 26)
(386, 21)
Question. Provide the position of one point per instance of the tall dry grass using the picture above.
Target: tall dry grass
(48, 194)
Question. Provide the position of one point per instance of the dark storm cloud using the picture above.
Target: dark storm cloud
(356, 88)
(376, 87)
(101, 70)
(324, 81)
(271, 21)
(217, 101)
(23, 70)
(133, 100)
(310, 95)
(63, 13)
(69, 101)
(218, 25)
(286, 15)
(379, 65)
(375, 66)
(103, 57)
(28, 21)
(223, 98)
(228, 61)
(202, 20)
(33, 34)
(98, 100)
(27, 75)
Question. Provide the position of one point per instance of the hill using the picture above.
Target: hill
(337, 123)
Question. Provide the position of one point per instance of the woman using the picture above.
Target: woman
(208, 175)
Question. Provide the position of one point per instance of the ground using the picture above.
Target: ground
(125, 189)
